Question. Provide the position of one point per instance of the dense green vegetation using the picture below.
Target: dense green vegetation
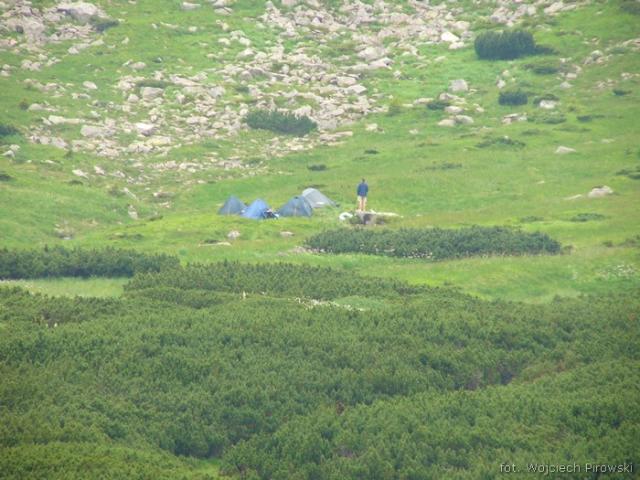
(274, 279)
(513, 97)
(279, 122)
(505, 45)
(203, 363)
(435, 243)
(58, 261)
(258, 358)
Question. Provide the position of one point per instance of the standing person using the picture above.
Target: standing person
(363, 190)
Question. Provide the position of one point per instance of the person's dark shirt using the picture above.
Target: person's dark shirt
(363, 189)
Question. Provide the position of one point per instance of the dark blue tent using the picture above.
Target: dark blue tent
(296, 207)
(257, 210)
(233, 206)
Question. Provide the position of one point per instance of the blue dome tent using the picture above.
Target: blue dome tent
(257, 210)
(296, 207)
(233, 206)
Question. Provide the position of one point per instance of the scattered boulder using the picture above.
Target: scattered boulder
(149, 93)
(79, 173)
(187, 6)
(233, 235)
(133, 213)
(561, 150)
(463, 119)
(94, 131)
(145, 129)
(458, 85)
(81, 11)
(449, 37)
(286, 234)
(599, 192)
(547, 104)
(447, 122)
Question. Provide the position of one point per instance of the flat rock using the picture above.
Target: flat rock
(449, 37)
(458, 85)
(149, 93)
(145, 129)
(81, 11)
(94, 131)
(599, 192)
(447, 122)
(561, 150)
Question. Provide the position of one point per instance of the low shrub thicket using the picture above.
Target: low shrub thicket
(504, 45)
(62, 262)
(278, 122)
(435, 243)
(7, 130)
(278, 388)
(513, 97)
(292, 281)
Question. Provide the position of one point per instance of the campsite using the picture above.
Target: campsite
(190, 289)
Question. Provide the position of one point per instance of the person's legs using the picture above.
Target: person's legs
(364, 204)
(359, 206)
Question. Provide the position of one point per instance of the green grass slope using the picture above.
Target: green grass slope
(430, 175)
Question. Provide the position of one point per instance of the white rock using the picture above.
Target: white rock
(372, 127)
(381, 63)
(599, 192)
(464, 119)
(554, 8)
(132, 212)
(89, 85)
(286, 234)
(447, 122)
(453, 110)
(449, 37)
(372, 53)
(94, 131)
(145, 129)
(356, 89)
(99, 170)
(79, 173)
(138, 66)
(458, 85)
(233, 235)
(561, 150)
(346, 81)
(149, 93)
(547, 104)
(81, 11)
(190, 6)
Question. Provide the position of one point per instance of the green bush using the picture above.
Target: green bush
(513, 97)
(101, 24)
(504, 45)
(434, 243)
(630, 6)
(278, 122)
(8, 130)
(61, 262)
(438, 104)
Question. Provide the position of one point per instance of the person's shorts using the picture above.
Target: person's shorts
(362, 197)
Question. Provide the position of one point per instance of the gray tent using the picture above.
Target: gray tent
(296, 207)
(317, 199)
(233, 206)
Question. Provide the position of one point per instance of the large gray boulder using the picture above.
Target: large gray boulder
(81, 11)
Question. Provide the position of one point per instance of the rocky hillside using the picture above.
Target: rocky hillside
(193, 79)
